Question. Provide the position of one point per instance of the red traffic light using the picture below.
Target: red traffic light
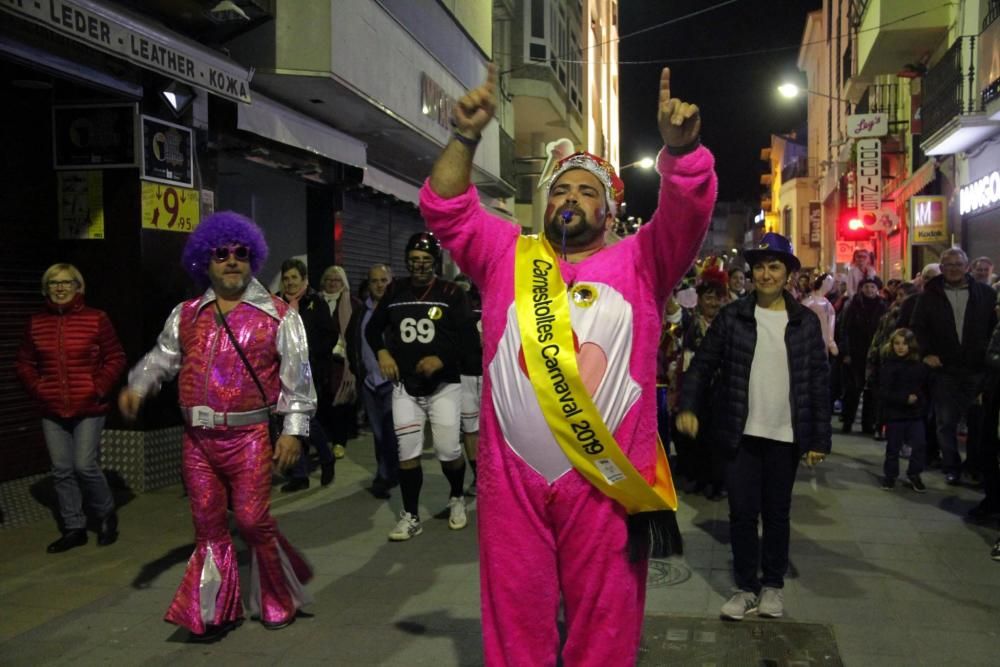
(853, 226)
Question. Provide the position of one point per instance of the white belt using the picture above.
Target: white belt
(206, 417)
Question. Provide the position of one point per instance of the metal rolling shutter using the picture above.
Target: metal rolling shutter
(374, 231)
(22, 448)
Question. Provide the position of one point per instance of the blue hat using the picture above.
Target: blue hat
(773, 245)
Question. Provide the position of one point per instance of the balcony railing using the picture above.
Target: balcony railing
(796, 168)
(881, 98)
(950, 86)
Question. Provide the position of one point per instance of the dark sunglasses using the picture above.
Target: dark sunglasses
(222, 253)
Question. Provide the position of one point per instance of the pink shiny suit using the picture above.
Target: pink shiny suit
(231, 466)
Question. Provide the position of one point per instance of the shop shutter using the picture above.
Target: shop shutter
(22, 449)
(374, 231)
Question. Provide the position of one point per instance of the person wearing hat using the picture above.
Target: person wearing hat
(763, 358)
(571, 478)
(227, 392)
(415, 332)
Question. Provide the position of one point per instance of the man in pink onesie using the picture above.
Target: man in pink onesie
(546, 533)
(227, 451)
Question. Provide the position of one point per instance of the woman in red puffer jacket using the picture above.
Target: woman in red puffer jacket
(69, 361)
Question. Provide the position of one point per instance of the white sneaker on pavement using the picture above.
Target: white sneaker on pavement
(772, 603)
(738, 606)
(456, 513)
(408, 526)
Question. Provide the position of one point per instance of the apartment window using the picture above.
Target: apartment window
(552, 36)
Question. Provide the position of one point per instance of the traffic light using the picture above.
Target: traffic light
(853, 227)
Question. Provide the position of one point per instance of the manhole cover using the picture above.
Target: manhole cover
(686, 641)
(667, 573)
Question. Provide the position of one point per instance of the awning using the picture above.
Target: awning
(275, 121)
(39, 58)
(391, 185)
(138, 40)
(917, 181)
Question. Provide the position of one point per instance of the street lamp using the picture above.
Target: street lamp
(644, 163)
(790, 90)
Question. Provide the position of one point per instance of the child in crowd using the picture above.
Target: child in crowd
(903, 390)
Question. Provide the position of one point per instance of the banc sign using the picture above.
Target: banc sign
(980, 194)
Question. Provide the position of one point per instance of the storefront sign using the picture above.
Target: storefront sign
(434, 102)
(94, 136)
(980, 194)
(867, 125)
(815, 224)
(930, 219)
(81, 204)
(170, 208)
(845, 250)
(166, 152)
(143, 45)
(869, 185)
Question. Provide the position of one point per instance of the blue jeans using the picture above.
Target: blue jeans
(378, 406)
(952, 394)
(75, 447)
(910, 431)
(760, 479)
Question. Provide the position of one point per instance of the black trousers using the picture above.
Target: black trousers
(760, 479)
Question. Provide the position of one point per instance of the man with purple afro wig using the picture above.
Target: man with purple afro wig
(227, 450)
(218, 230)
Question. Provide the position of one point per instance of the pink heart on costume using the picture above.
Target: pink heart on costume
(590, 359)
(593, 362)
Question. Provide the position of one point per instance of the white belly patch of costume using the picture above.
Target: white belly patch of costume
(602, 333)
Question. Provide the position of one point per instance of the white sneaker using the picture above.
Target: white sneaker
(456, 513)
(772, 603)
(738, 606)
(408, 526)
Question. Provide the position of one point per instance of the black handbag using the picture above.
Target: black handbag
(275, 422)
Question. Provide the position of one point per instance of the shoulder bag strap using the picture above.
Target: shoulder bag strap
(239, 350)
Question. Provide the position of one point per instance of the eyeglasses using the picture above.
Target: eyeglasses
(952, 265)
(222, 253)
(420, 263)
(54, 284)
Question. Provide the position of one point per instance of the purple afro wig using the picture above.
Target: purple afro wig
(222, 228)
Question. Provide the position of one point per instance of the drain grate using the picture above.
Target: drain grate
(687, 641)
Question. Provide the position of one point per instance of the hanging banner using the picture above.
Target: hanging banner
(930, 219)
(81, 204)
(815, 224)
(869, 185)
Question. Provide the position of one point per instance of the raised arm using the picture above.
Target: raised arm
(688, 185)
(450, 176)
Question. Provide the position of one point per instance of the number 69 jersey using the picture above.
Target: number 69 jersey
(417, 321)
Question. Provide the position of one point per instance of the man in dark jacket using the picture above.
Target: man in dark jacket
(861, 319)
(953, 320)
(774, 380)
(376, 389)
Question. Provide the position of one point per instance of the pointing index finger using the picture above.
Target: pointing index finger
(665, 85)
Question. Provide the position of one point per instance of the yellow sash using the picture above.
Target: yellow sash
(576, 423)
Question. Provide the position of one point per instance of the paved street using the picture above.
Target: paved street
(896, 578)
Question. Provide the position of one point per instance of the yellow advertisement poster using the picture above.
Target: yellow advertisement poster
(170, 208)
(81, 204)
(928, 219)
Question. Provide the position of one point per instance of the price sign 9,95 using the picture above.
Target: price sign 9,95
(170, 208)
